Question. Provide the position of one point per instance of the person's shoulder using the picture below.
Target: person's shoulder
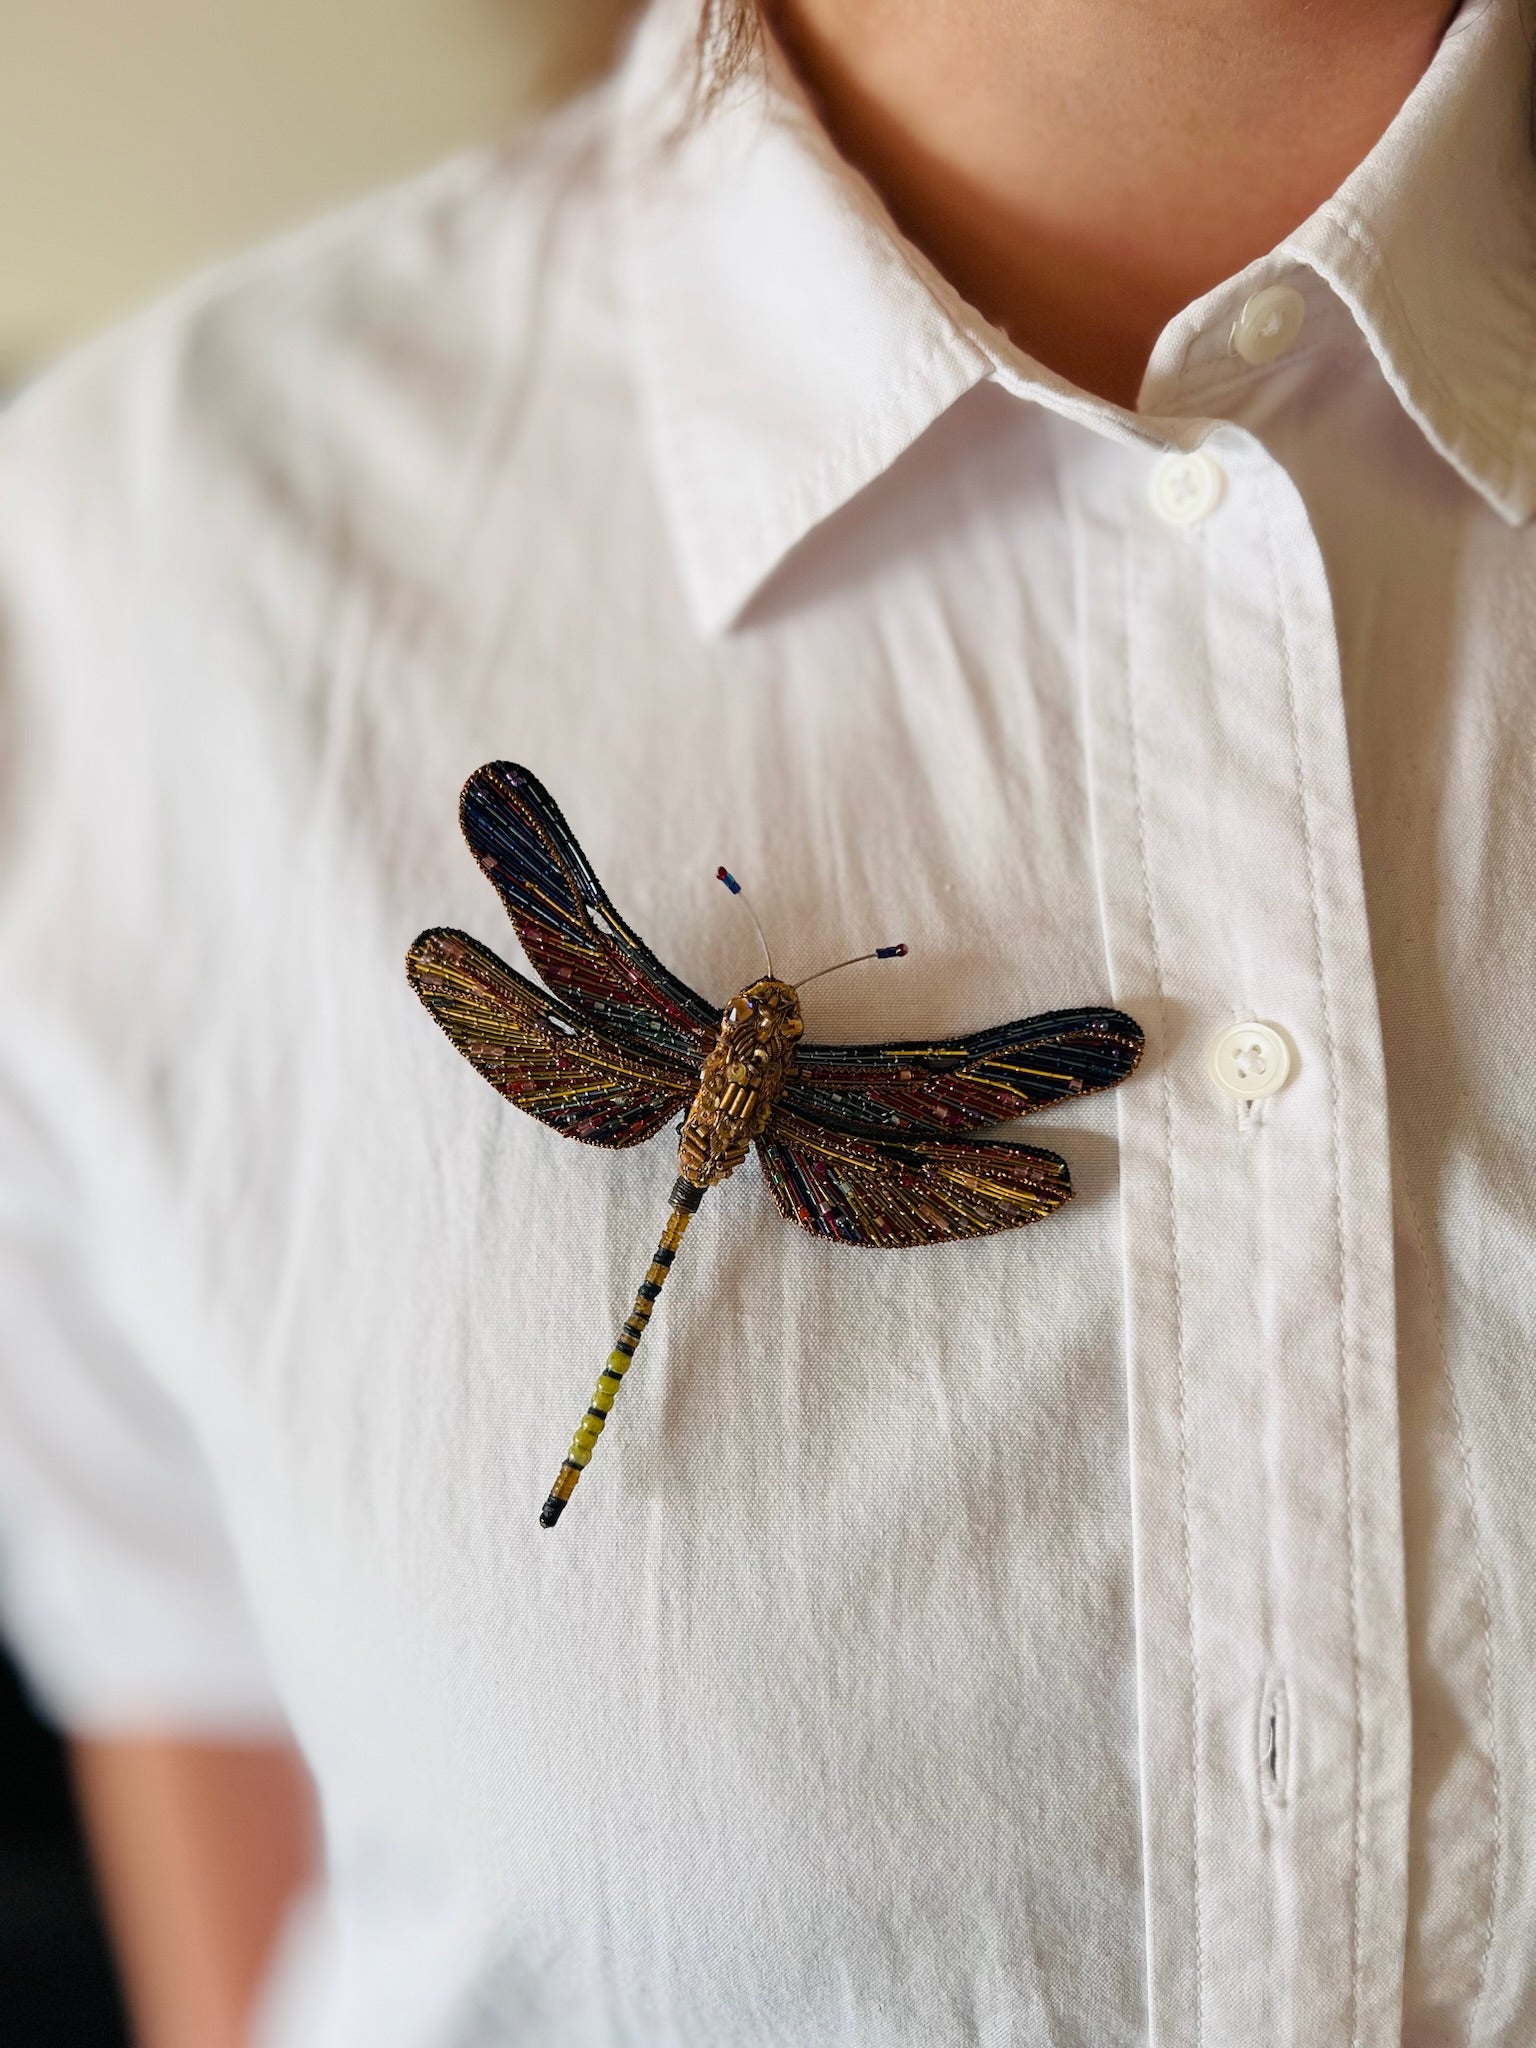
(326, 337)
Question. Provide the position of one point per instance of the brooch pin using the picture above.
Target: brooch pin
(860, 1144)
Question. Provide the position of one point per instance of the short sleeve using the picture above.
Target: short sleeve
(119, 1591)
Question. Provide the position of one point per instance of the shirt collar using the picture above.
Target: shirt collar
(790, 343)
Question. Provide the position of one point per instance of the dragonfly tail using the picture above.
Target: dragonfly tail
(685, 1201)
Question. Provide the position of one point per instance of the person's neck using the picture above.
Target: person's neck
(1082, 169)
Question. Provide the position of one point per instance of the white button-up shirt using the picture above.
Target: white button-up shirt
(1114, 1632)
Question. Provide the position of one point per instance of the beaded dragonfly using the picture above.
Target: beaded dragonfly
(860, 1144)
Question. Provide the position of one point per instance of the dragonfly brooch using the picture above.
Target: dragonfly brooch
(860, 1144)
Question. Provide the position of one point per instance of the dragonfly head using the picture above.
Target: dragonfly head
(759, 1026)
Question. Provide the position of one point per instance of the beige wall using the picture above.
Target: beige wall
(140, 137)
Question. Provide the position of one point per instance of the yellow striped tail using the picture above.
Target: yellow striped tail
(685, 1201)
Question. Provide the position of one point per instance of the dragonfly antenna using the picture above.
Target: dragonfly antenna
(880, 953)
(730, 881)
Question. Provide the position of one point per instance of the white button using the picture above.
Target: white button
(1269, 323)
(1249, 1060)
(1185, 487)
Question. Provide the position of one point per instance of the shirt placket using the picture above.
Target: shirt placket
(1271, 1644)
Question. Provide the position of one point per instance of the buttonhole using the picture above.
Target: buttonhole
(1274, 1745)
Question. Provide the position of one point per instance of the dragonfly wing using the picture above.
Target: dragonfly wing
(538, 1053)
(961, 1084)
(865, 1188)
(570, 931)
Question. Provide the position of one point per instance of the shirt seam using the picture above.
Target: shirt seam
(1343, 1321)
(1180, 1344)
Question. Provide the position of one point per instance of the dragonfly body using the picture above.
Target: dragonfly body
(686, 1198)
(741, 1080)
(859, 1145)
